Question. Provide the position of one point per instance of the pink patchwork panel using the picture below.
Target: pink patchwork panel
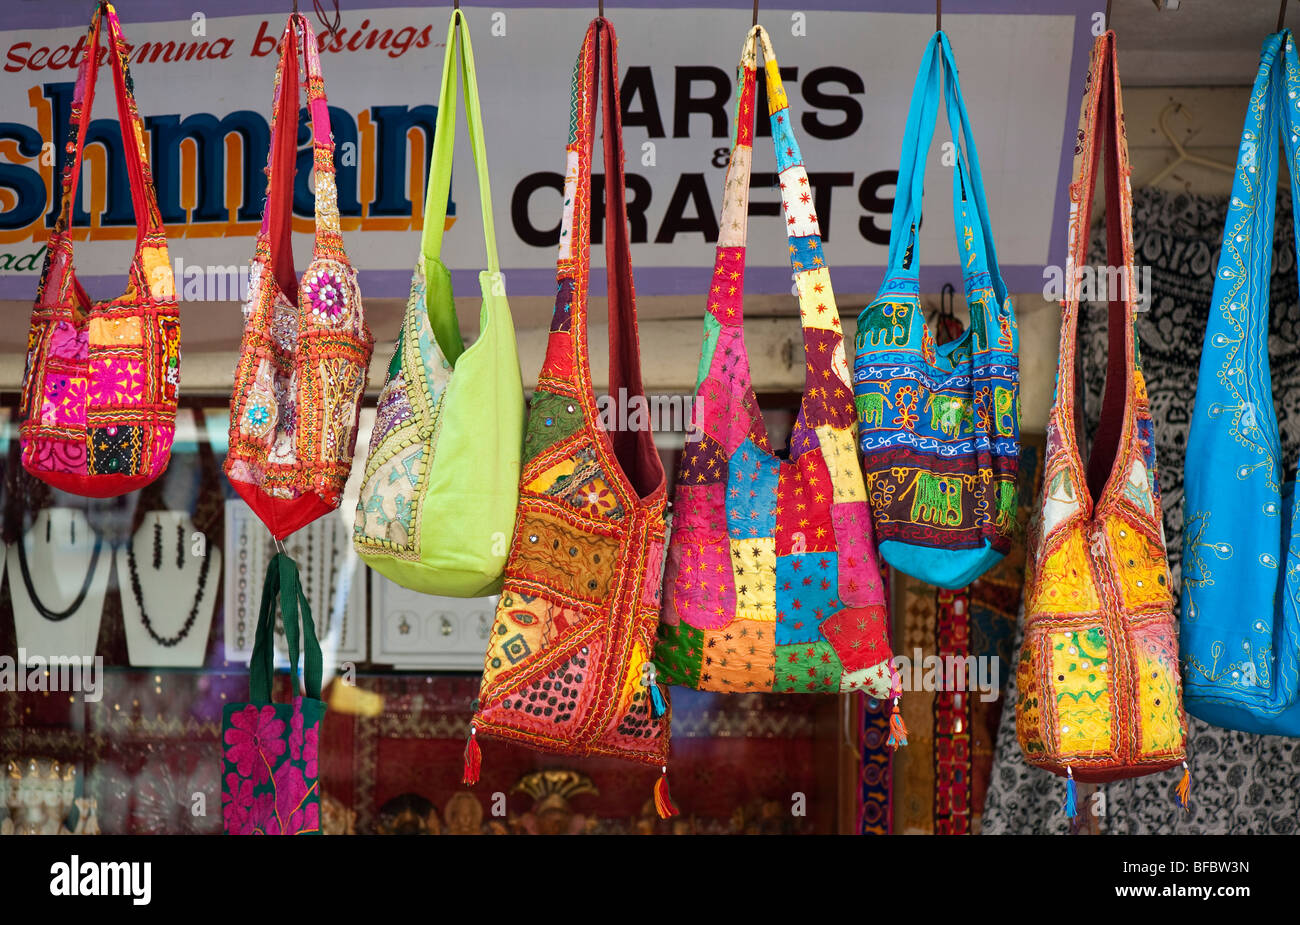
(700, 513)
(116, 381)
(704, 594)
(64, 403)
(860, 582)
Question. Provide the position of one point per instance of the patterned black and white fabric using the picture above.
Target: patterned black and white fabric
(1241, 783)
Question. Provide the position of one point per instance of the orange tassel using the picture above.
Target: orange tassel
(1183, 792)
(473, 759)
(663, 802)
(897, 731)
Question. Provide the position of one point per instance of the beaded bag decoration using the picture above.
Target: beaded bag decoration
(567, 665)
(306, 347)
(1240, 632)
(772, 582)
(939, 422)
(98, 405)
(1099, 692)
(442, 475)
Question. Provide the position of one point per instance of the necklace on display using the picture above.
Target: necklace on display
(138, 593)
(57, 616)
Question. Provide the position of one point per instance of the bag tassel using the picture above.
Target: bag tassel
(658, 706)
(473, 758)
(663, 802)
(1183, 791)
(897, 731)
(1071, 806)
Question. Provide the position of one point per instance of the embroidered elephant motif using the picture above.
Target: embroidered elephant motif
(1007, 411)
(1008, 501)
(979, 325)
(885, 324)
(871, 408)
(948, 413)
(936, 499)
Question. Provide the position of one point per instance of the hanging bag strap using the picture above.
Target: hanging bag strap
(297, 49)
(143, 197)
(442, 311)
(1103, 128)
(282, 583)
(802, 228)
(597, 71)
(937, 78)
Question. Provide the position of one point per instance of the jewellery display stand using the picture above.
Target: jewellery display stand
(333, 580)
(59, 601)
(169, 596)
(411, 630)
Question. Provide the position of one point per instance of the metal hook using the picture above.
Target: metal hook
(755, 12)
(1108, 2)
(600, 9)
(938, 15)
(1281, 16)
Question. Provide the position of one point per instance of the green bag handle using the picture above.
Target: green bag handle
(442, 311)
(282, 581)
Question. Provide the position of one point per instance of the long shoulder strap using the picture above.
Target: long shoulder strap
(277, 218)
(143, 196)
(444, 141)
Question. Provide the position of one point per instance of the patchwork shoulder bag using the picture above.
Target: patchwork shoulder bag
(939, 423)
(1240, 633)
(98, 405)
(569, 655)
(306, 347)
(442, 476)
(772, 582)
(271, 751)
(1099, 692)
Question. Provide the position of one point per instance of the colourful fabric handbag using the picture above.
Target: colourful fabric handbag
(939, 424)
(442, 477)
(306, 347)
(1240, 633)
(772, 582)
(98, 406)
(1099, 693)
(269, 781)
(566, 666)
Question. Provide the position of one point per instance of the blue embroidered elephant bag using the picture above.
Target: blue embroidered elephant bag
(939, 423)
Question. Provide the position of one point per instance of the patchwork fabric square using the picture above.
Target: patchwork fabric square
(807, 668)
(807, 592)
(116, 450)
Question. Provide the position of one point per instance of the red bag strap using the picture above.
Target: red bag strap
(1102, 126)
(597, 70)
(298, 48)
(143, 197)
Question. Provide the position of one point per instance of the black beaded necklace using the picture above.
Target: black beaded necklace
(57, 616)
(139, 600)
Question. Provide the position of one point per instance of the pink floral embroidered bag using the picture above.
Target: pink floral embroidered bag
(306, 348)
(98, 405)
(269, 783)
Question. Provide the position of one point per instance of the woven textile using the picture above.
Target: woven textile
(306, 348)
(98, 406)
(939, 423)
(1099, 694)
(772, 582)
(569, 655)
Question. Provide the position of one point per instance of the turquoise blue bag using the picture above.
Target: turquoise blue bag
(939, 424)
(1241, 543)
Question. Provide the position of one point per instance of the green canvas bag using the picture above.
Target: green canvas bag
(437, 503)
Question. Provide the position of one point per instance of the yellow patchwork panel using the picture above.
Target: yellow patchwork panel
(753, 565)
(1140, 566)
(1081, 681)
(1160, 722)
(776, 98)
(842, 461)
(1064, 580)
(816, 300)
(114, 332)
